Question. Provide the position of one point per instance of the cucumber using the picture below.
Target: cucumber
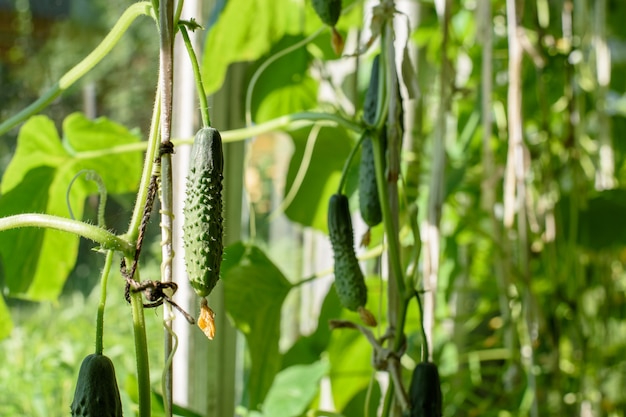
(369, 200)
(425, 391)
(328, 11)
(349, 280)
(371, 96)
(96, 394)
(202, 212)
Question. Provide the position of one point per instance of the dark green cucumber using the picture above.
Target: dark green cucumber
(349, 280)
(425, 391)
(369, 200)
(96, 394)
(371, 96)
(203, 222)
(328, 10)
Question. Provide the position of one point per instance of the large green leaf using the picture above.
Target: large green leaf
(254, 291)
(293, 390)
(331, 149)
(244, 31)
(36, 262)
(285, 86)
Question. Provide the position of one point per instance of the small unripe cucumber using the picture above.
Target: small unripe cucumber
(349, 280)
(96, 394)
(369, 200)
(328, 11)
(371, 96)
(425, 391)
(203, 222)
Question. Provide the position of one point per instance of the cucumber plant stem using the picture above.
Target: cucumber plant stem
(204, 106)
(164, 161)
(103, 299)
(105, 238)
(287, 122)
(139, 329)
(141, 349)
(151, 154)
(346, 165)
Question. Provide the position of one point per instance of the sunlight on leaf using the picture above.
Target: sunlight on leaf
(310, 204)
(36, 262)
(237, 36)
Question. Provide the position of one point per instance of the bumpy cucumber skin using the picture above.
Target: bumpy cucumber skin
(328, 10)
(369, 200)
(425, 391)
(349, 280)
(202, 212)
(96, 394)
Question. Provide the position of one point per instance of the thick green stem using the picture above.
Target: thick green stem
(82, 68)
(346, 165)
(288, 122)
(141, 349)
(103, 299)
(204, 106)
(139, 329)
(105, 238)
(166, 80)
(151, 153)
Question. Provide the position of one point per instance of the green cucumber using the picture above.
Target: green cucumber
(202, 212)
(425, 391)
(349, 280)
(96, 394)
(371, 96)
(369, 200)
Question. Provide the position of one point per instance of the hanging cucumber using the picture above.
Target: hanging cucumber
(96, 394)
(425, 391)
(369, 200)
(202, 223)
(349, 280)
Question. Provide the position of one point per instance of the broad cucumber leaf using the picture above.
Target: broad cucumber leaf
(254, 291)
(293, 390)
(285, 86)
(36, 262)
(244, 31)
(331, 149)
